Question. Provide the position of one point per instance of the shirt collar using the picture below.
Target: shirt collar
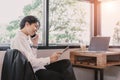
(23, 34)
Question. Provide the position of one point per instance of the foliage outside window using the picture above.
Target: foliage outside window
(69, 22)
(9, 21)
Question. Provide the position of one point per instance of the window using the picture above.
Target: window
(110, 21)
(69, 22)
(12, 12)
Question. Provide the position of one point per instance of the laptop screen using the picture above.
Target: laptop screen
(99, 44)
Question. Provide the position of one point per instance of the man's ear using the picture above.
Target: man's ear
(27, 24)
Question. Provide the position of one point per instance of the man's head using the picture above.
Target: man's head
(30, 24)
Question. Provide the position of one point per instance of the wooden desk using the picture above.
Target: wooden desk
(94, 60)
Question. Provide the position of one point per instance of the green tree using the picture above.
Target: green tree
(116, 35)
(13, 26)
(62, 16)
(30, 8)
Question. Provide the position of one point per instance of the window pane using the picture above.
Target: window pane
(12, 12)
(69, 21)
(110, 21)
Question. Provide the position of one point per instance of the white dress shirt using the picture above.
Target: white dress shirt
(21, 42)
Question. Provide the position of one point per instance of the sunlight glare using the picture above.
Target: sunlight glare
(109, 6)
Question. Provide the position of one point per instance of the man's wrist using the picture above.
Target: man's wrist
(33, 46)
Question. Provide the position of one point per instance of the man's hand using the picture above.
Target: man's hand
(54, 57)
(35, 40)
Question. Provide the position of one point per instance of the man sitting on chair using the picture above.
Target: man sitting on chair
(60, 70)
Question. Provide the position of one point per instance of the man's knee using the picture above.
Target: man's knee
(67, 61)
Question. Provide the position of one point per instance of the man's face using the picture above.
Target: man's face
(32, 28)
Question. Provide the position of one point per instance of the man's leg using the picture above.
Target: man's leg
(64, 67)
(44, 74)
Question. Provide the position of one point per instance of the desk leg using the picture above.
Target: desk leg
(96, 74)
(101, 74)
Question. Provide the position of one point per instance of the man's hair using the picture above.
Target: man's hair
(30, 19)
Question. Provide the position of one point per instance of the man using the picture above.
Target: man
(28, 27)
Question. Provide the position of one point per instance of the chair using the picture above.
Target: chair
(16, 66)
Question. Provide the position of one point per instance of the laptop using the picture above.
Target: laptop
(99, 44)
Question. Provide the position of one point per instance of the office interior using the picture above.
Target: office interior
(65, 23)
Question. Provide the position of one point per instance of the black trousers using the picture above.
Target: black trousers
(60, 70)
